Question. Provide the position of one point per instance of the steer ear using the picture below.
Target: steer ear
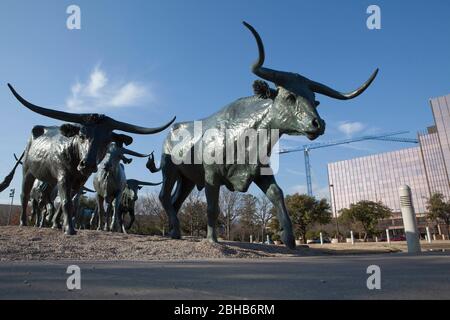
(122, 138)
(69, 130)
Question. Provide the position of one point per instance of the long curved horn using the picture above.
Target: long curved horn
(123, 126)
(17, 159)
(84, 118)
(7, 181)
(325, 90)
(133, 153)
(268, 74)
(142, 183)
(60, 115)
(87, 189)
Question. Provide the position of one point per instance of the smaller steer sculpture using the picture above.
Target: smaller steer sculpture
(109, 183)
(129, 198)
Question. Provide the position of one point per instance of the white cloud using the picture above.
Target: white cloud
(128, 95)
(350, 128)
(99, 93)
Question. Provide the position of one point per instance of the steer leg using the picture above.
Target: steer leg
(108, 215)
(212, 199)
(183, 191)
(27, 185)
(100, 211)
(35, 212)
(132, 217)
(56, 221)
(117, 220)
(67, 206)
(165, 198)
(93, 216)
(271, 189)
(43, 212)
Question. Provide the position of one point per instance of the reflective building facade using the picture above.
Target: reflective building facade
(377, 177)
(441, 112)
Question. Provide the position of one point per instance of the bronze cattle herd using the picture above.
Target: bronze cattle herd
(58, 160)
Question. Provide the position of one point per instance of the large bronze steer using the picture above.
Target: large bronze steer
(291, 109)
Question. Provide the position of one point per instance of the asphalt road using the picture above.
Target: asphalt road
(323, 277)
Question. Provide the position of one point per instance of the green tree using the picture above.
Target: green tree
(438, 209)
(305, 211)
(367, 214)
(193, 214)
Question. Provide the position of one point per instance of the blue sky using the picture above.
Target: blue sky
(145, 61)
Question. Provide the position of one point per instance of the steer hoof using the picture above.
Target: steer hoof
(288, 240)
(23, 223)
(70, 232)
(175, 234)
(212, 239)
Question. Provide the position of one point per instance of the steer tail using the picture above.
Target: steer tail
(7, 181)
(151, 164)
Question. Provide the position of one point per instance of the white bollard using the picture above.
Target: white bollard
(434, 237)
(268, 240)
(428, 234)
(251, 239)
(439, 229)
(376, 239)
(443, 236)
(321, 238)
(351, 236)
(409, 220)
(388, 238)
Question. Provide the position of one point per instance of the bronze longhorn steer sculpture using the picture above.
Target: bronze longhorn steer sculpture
(129, 198)
(66, 156)
(291, 109)
(54, 209)
(109, 183)
(43, 198)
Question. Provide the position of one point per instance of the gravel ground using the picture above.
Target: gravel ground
(30, 243)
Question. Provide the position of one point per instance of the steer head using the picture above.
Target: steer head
(135, 185)
(115, 153)
(294, 109)
(92, 132)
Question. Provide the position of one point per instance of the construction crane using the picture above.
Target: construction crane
(308, 147)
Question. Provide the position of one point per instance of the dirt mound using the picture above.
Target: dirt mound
(30, 243)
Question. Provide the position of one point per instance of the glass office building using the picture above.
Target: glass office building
(377, 177)
(441, 113)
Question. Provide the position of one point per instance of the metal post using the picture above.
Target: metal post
(351, 236)
(428, 234)
(376, 239)
(409, 220)
(251, 239)
(321, 239)
(11, 195)
(388, 238)
(334, 211)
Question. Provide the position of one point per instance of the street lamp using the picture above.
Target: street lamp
(11, 195)
(334, 211)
